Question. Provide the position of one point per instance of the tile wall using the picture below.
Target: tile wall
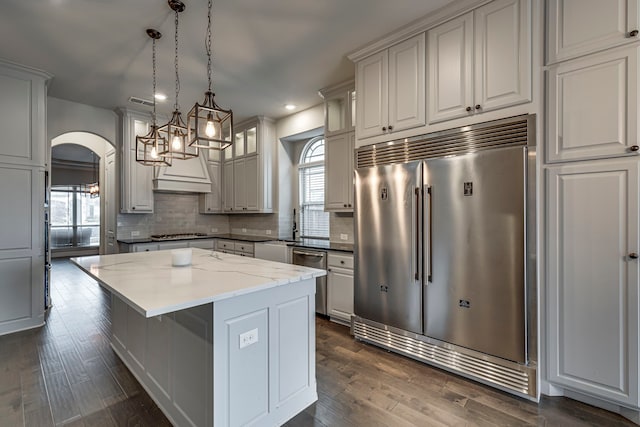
(173, 213)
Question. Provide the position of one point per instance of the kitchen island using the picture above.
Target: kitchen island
(225, 341)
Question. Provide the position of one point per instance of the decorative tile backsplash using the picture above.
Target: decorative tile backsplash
(178, 213)
(173, 213)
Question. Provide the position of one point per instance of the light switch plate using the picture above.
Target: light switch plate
(344, 236)
(244, 230)
(135, 233)
(248, 338)
(268, 232)
(214, 230)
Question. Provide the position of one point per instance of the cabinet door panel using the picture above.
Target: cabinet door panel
(239, 185)
(228, 186)
(578, 27)
(252, 186)
(15, 119)
(340, 293)
(406, 84)
(450, 60)
(502, 54)
(372, 95)
(593, 284)
(338, 173)
(592, 109)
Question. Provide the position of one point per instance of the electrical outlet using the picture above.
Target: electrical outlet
(135, 234)
(248, 338)
(268, 232)
(244, 230)
(344, 236)
(214, 230)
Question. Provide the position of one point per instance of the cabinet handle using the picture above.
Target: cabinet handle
(478, 106)
(390, 127)
(634, 148)
(633, 255)
(633, 33)
(384, 128)
(468, 108)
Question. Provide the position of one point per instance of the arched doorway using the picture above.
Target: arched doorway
(82, 224)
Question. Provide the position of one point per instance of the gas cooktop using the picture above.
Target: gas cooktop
(177, 236)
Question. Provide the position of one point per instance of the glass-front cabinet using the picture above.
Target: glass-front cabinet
(339, 108)
(245, 143)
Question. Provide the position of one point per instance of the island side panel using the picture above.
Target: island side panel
(264, 355)
(175, 365)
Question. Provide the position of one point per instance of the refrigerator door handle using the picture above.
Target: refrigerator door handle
(427, 231)
(418, 234)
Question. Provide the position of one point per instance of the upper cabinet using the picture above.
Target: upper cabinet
(338, 172)
(211, 202)
(136, 190)
(579, 27)
(390, 89)
(22, 115)
(339, 108)
(248, 168)
(592, 107)
(480, 61)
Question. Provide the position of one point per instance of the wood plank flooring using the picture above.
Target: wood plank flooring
(65, 373)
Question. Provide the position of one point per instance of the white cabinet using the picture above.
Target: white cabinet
(338, 172)
(340, 287)
(592, 109)
(136, 189)
(579, 27)
(22, 186)
(592, 278)
(390, 89)
(249, 167)
(212, 202)
(339, 108)
(480, 61)
(235, 247)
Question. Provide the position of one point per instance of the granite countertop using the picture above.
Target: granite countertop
(149, 284)
(242, 237)
(322, 244)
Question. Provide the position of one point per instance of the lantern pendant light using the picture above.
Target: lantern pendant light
(175, 129)
(210, 126)
(149, 146)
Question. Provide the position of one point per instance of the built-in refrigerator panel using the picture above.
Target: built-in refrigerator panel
(474, 251)
(388, 288)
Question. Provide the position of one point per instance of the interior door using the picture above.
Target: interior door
(387, 262)
(474, 251)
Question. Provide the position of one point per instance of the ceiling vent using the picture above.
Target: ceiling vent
(141, 101)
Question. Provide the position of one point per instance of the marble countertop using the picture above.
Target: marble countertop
(322, 244)
(149, 284)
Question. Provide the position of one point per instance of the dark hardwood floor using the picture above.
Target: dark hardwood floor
(66, 373)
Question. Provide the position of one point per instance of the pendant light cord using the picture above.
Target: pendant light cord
(153, 56)
(177, 105)
(208, 45)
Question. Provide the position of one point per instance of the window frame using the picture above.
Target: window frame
(305, 165)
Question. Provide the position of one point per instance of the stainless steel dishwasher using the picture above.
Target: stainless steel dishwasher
(314, 259)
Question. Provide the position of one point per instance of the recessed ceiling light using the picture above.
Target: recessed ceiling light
(290, 107)
(161, 97)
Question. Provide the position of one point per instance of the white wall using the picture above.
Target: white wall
(67, 116)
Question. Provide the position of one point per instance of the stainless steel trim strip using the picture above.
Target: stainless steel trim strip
(508, 132)
(508, 376)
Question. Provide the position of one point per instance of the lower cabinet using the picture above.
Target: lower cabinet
(592, 278)
(160, 246)
(340, 287)
(235, 247)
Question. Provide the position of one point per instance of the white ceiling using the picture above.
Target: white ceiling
(266, 52)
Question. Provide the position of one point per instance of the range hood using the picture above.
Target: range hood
(183, 176)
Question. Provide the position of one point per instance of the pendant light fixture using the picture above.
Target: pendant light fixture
(210, 126)
(149, 146)
(175, 130)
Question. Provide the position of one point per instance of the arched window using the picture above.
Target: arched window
(314, 221)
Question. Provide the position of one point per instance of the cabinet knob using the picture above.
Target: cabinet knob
(468, 108)
(633, 255)
(328, 269)
(633, 33)
(133, 208)
(634, 148)
(341, 262)
(478, 106)
(208, 209)
(390, 127)
(384, 128)
(345, 205)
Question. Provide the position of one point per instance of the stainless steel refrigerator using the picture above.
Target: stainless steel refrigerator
(441, 247)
